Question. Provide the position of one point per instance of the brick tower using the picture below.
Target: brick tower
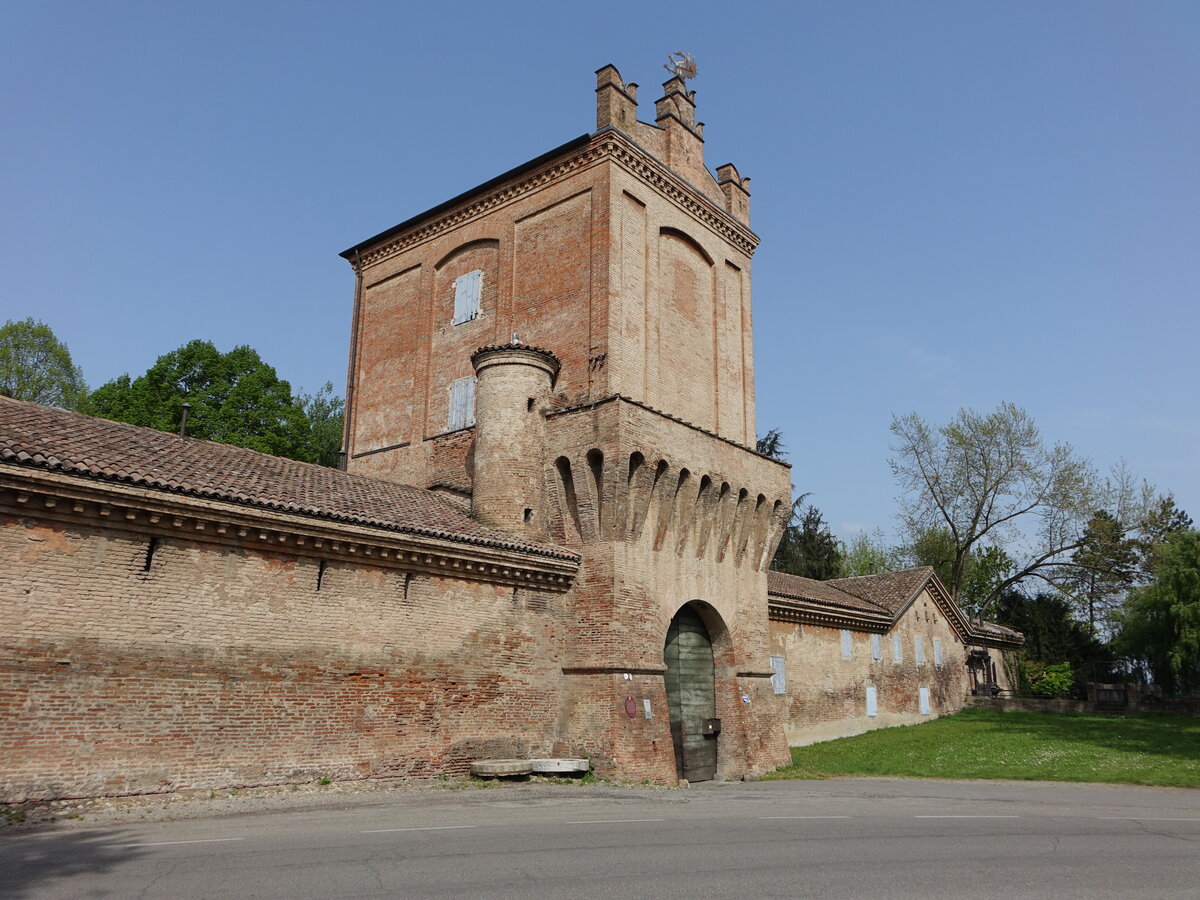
(567, 350)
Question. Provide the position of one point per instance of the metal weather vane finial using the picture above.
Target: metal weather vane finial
(680, 64)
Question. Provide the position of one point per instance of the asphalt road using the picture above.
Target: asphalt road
(859, 838)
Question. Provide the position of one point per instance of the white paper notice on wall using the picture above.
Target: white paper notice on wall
(646, 708)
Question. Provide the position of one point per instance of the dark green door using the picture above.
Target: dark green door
(691, 695)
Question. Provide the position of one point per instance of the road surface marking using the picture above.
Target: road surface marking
(198, 841)
(966, 817)
(610, 821)
(806, 817)
(421, 828)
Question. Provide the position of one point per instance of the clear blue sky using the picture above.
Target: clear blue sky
(960, 202)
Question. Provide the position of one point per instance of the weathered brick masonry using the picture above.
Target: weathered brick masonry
(197, 637)
(892, 636)
(551, 482)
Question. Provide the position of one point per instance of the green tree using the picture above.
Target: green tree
(1164, 520)
(808, 548)
(37, 366)
(1053, 635)
(983, 568)
(236, 398)
(869, 554)
(1161, 621)
(325, 413)
(991, 481)
(771, 444)
(1101, 570)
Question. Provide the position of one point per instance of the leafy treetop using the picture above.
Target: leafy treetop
(37, 366)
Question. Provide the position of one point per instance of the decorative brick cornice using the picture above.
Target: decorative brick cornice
(781, 610)
(673, 186)
(609, 144)
(61, 499)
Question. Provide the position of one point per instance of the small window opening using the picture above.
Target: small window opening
(320, 573)
(529, 405)
(151, 546)
(462, 403)
(528, 515)
(467, 289)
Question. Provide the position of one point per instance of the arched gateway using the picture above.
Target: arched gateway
(691, 695)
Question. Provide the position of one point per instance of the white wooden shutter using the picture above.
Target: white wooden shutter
(462, 403)
(779, 679)
(847, 643)
(919, 649)
(876, 653)
(923, 699)
(937, 651)
(897, 651)
(872, 701)
(467, 289)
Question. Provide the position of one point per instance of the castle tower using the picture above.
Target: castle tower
(630, 441)
(513, 386)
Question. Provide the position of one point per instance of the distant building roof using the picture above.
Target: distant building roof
(794, 587)
(875, 597)
(889, 591)
(55, 440)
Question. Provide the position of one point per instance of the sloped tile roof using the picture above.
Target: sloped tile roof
(794, 587)
(995, 629)
(890, 590)
(75, 444)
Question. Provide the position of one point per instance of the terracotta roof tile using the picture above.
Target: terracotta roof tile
(890, 590)
(794, 587)
(76, 444)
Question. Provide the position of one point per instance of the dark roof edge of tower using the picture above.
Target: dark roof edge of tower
(573, 144)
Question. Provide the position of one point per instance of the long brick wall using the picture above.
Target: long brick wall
(221, 666)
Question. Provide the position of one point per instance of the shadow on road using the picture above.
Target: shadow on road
(31, 862)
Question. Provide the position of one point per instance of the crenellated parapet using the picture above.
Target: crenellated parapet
(705, 499)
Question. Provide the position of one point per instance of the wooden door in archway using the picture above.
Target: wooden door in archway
(691, 695)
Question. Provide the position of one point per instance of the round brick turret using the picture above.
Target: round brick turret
(513, 384)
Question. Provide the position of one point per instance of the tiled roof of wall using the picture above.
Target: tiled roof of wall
(794, 587)
(888, 591)
(75, 444)
(883, 595)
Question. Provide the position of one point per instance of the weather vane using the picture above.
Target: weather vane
(680, 64)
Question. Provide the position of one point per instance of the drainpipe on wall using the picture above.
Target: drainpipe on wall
(358, 284)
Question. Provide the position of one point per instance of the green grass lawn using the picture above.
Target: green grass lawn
(1160, 750)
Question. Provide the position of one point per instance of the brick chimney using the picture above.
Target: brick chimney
(616, 102)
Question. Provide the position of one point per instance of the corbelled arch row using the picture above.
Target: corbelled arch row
(640, 497)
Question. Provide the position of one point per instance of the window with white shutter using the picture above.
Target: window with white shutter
(847, 643)
(923, 699)
(872, 701)
(937, 651)
(467, 289)
(462, 403)
(876, 653)
(897, 651)
(919, 649)
(779, 679)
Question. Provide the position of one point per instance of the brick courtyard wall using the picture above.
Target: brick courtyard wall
(826, 692)
(222, 666)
